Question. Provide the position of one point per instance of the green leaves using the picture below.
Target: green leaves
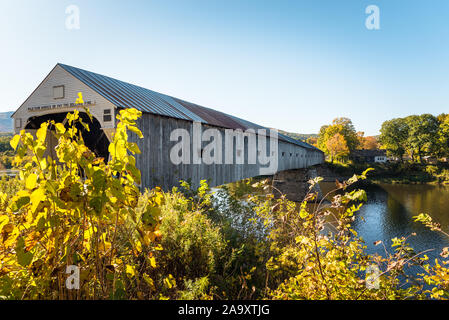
(24, 257)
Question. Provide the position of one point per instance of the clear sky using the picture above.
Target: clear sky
(292, 65)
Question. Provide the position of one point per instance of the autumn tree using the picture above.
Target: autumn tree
(312, 141)
(342, 127)
(367, 143)
(337, 147)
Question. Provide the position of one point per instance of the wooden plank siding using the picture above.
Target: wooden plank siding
(158, 170)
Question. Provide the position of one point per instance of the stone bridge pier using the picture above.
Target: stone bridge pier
(294, 183)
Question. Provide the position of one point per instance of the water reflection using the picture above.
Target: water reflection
(388, 214)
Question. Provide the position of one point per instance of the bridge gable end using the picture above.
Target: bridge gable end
(58, 93)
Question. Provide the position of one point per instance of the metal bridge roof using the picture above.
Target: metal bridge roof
(126, 95)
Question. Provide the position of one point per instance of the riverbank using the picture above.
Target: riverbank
(392, 173)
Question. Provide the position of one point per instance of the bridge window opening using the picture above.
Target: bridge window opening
(107, 117)
(283, 154)
(58, 92)
(291, 154)
(95, 139)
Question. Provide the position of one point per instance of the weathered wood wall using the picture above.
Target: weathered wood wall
(158, 170)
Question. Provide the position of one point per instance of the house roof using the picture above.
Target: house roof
(126, 95)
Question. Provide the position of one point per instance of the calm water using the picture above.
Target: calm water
(389, 212)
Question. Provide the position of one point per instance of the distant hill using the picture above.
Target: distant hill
(299, 136)
(6, 122)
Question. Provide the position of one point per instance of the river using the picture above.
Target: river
(389, 212)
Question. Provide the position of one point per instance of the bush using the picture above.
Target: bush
(192, 244)
(77, 210)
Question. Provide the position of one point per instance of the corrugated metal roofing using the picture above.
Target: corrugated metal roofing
(126, 95)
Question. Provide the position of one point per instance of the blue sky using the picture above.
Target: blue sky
(292, 65)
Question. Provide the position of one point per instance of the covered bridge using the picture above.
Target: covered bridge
(240, 149)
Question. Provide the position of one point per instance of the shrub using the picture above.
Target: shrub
(77, 210)
(192, 244)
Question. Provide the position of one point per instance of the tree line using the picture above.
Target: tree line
(416, 136)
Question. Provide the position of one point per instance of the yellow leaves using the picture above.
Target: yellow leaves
(9, 235)
(36, 197)
(169, 282)
(158, 197)
(130, 270)
(303, 211)
(157, 234)
(152, 261)
(30, 182)
(60, 129)
(41, 133)
(129, 114)
(4, 219)
(15, 141)
(136, 131)
(79, 100)
(89, 232)
(149, 281)
(118, 150)
(31, 240)
(52, 218)
(138, 246)
(104, 246)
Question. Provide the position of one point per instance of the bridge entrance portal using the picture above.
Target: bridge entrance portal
(95, 139)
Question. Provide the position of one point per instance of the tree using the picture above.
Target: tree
(337, 147)
(367, 143)
(393, 137)
(443, 135)
(312, 141)
(343, 127)
(370, 143)
(422, 136)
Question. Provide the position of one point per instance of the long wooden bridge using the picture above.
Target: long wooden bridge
(182, 140)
